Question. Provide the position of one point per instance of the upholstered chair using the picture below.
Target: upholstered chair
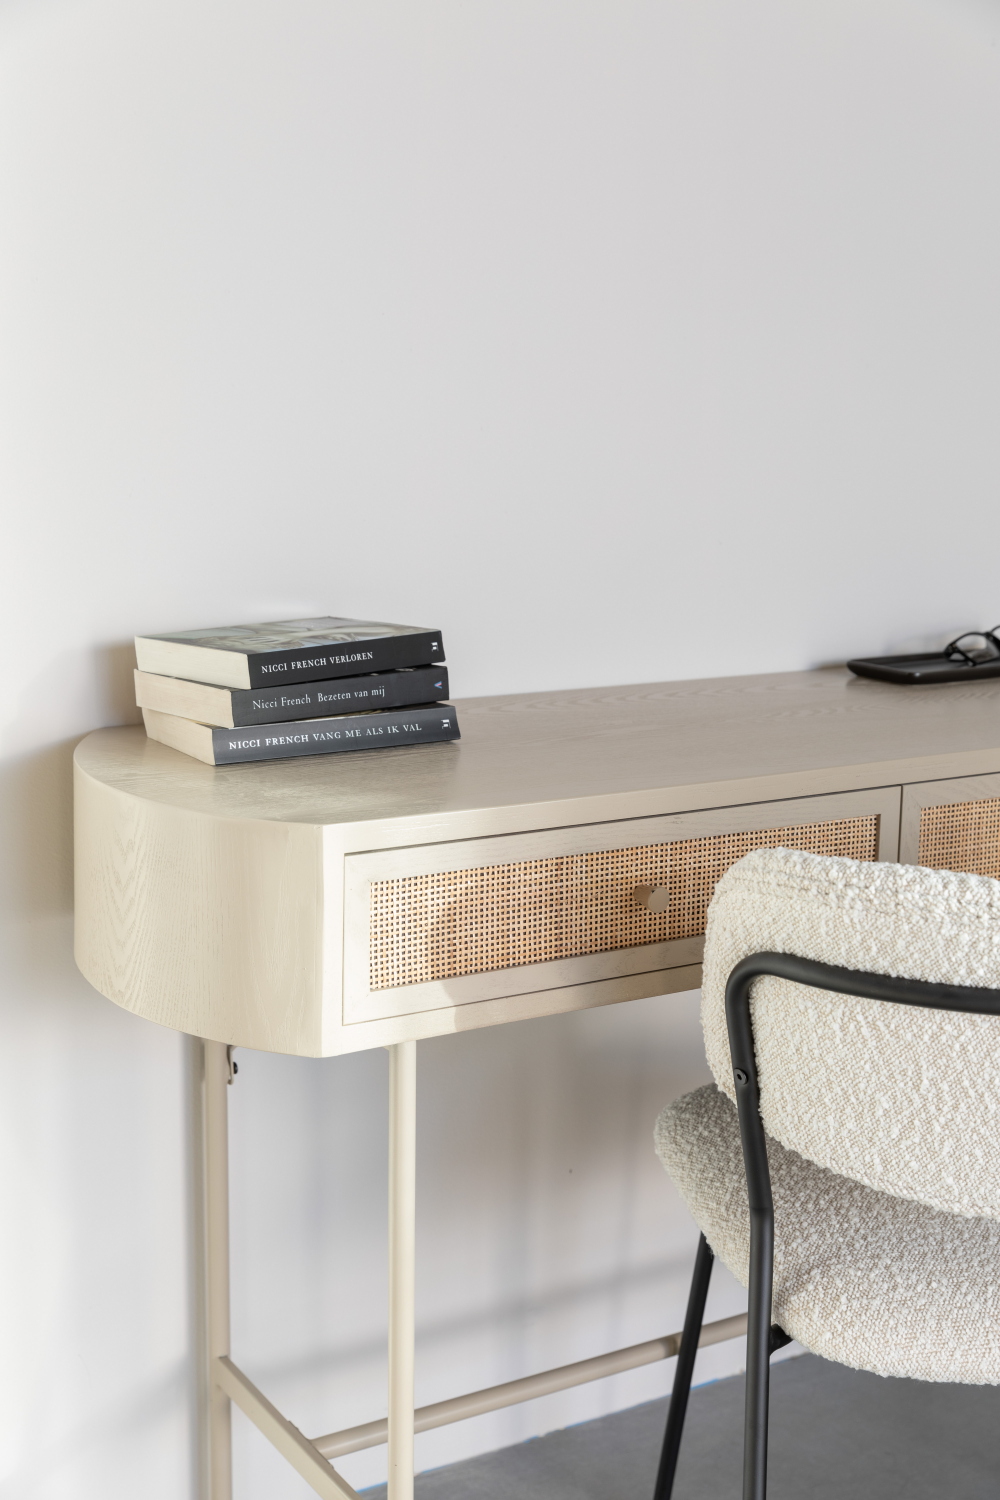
(845, 1163)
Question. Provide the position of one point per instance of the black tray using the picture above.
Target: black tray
(933, 666)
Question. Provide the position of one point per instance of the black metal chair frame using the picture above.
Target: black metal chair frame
(763, 1337)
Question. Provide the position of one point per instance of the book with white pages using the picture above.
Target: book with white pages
(253, 656)
(382, 729)
(229, 708)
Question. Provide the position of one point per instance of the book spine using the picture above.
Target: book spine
(376, 731)
(343, 695)
(347, 659)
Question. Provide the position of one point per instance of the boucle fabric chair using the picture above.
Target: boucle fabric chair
(845, 1164)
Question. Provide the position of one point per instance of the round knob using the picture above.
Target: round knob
(652, 897)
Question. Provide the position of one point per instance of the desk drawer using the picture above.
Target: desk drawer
(451, 924)
(953, 825)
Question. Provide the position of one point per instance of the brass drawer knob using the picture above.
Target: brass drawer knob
(652, 897)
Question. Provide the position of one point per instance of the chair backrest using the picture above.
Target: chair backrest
(905, 1100)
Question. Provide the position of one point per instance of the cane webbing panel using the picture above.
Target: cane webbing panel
(962, 836)
(476, 921)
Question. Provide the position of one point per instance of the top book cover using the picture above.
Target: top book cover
(254, 656)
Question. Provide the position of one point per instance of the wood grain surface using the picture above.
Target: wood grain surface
(658, 747)
(208, 925)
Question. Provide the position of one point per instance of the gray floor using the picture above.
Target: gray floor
(834, 1433)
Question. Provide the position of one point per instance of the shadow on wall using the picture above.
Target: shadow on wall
(561, 1108)
(36, 819)
(36, 786)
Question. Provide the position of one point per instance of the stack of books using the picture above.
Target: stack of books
(294, 687)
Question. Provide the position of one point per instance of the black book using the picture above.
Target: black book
(231, 707)
(384, 729)
(253, 656)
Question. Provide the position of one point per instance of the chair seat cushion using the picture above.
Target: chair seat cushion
(863, 1278)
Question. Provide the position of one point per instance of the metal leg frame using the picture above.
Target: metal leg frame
(402, 1246)
(695, 1337)
(758, 1175)
(228, 1384)
(704, 1261)
(217, 1265)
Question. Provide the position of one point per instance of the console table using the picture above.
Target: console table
(561, 856)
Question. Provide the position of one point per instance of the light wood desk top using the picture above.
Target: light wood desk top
(238, 902)
(538, 760)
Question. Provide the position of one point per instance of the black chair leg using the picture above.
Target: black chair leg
(685, 1369)
(762, 1338)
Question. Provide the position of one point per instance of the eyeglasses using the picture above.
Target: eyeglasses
(975, 648)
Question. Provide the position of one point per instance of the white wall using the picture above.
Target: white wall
(623, 340)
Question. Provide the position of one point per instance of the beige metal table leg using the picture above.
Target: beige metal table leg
(217, 1264)
(402, 1212)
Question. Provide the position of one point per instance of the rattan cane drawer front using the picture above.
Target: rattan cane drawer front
(962, 836)
(476, 921)
(494, 918)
